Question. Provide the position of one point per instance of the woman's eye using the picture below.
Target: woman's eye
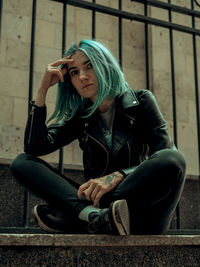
(89, 65)
(74, 72)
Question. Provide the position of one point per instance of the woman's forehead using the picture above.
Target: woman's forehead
(79, 58)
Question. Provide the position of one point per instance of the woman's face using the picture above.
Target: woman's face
(83, 76)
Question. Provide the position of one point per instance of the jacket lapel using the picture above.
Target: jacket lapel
(123, 123)
(92, 126)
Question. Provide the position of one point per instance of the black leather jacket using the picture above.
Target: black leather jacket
(139, 130)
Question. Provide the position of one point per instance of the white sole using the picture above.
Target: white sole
(42, 225)
(121, 218)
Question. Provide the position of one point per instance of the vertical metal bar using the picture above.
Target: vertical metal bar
(120, 34)
(196, 84)
(173, 80)
(31, 69)
(93, 22)
(173, 101)
(61, 152)
(32, 48)
(1, 12)
(64, 28)
(146, 47)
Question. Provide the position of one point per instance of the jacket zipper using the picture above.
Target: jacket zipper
(32, 114)
(129, 154)
(107, 153)
(142, 154)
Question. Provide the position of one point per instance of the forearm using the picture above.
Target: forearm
(41, 97)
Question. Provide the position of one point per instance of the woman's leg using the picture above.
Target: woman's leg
(44, 181)
(152, 191)
(40, 178)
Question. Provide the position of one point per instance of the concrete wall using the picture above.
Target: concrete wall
(14, 66)
(184, 80)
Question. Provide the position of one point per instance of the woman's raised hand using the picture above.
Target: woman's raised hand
(54, 73)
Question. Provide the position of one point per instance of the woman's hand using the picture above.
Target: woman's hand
(94, 189)
(52, 75)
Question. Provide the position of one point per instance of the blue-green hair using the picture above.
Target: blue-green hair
(111, 82)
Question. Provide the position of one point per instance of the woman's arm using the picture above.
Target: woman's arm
(154, 125)
(52, 75)
(39, 139)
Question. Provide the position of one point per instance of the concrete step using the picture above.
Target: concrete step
(99, 250)
(12, 201)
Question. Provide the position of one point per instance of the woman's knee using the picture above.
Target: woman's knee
(18, 164)
(175, 159)
(172, 161)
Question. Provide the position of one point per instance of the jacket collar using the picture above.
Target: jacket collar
(92, 126)
(127, 100)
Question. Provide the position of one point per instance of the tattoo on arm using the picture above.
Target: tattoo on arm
(109, 178)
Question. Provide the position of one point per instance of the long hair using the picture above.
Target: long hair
(111, 82)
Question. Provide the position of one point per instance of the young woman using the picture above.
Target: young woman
(133, 173)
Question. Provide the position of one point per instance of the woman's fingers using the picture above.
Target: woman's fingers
(92, 191)
(63, 71)
(97, 198)
(61, 78)
(56, 71)
(61, 61)
(95, 192)
(81, 189)
(96, 195)
(88, 191)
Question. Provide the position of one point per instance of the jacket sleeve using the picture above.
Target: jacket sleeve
(41, 140)
(153, 126)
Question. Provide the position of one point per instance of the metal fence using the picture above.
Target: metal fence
(146, 20)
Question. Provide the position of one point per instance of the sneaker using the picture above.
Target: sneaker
(114, 220)
(49, 219)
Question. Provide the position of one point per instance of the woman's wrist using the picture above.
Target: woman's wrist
(41, 97)
(120, 175)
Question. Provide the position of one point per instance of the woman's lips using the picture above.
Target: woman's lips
(87, 85)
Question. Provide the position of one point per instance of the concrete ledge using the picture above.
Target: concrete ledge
(65, 240)
(61, 250)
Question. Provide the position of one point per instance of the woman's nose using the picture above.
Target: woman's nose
(83, 75)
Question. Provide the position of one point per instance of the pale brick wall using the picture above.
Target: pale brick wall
(184, 81)
(14, 66)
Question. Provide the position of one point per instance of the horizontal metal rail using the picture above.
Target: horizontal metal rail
(130, 16)
(170, 7)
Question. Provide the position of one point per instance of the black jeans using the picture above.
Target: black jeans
(152, 190)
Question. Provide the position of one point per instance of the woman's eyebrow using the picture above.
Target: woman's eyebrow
(85, 62)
